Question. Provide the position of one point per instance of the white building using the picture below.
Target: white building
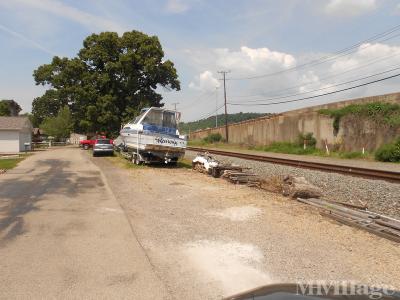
(14, 133)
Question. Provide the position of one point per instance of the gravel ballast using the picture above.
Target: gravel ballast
(380, 196)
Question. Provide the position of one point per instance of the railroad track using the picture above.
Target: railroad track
(342, 169)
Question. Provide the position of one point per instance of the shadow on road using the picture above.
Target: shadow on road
(20, 196)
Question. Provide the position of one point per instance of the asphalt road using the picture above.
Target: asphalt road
(63, 235)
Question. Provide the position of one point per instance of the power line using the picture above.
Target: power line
(195, 101)
(211, 113)
(316, 96)
(335, 55)
(371, 62)
(325, 88)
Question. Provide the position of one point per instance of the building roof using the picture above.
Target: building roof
(14, 123)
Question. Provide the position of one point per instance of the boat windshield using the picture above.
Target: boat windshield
(169, 119)
(160, 118)
(137, 119)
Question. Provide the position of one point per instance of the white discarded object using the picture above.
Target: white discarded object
(207, 161)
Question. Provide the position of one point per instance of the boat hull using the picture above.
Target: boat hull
(153, 146)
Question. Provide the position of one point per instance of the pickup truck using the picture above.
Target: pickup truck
(86, 144)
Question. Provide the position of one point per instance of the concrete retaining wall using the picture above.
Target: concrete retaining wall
(287, 126)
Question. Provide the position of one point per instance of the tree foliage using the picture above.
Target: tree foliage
(59, 126)
(111, 79)
(9, 107)
(4, 109)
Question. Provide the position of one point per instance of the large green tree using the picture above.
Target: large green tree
(111, 79)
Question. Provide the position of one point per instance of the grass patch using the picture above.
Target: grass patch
(120, 161)
(185, 163)
(352, 155)
(10, 163)
(290, 148)
(286, 148)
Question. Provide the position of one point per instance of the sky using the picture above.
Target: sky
(266, 45)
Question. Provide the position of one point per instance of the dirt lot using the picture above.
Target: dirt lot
(207, 238)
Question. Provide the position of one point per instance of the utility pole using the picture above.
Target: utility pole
(216, 106)
(175, 104)
(226, 110)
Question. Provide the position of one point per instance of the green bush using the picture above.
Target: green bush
(380, 112)
(213, 138)
(389, 152)
(308, 137)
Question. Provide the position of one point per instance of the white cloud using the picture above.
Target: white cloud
(245, 62)
(367, 52)
(349, 8)
(59, 9)
(249, 60)
(367, 60)
(205, 82)
(176, 6)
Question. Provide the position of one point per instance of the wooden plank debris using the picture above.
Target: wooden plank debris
(378, 224)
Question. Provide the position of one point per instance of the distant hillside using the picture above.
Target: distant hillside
(210, 122)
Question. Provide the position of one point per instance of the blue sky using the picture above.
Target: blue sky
(249, 38)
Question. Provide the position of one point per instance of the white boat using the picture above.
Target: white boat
(153, 136)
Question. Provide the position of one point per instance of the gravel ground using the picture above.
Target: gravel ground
(380, 196)
(208, 238)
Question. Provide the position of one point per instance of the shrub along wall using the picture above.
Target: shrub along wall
(367, 126)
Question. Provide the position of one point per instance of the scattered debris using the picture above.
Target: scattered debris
(241, 177)
(204, 163)
(299, 187)
(272, 184)
(381, 225)
(289, 186)
(361, 206)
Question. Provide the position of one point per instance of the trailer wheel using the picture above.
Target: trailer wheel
(136, 159)
(173, 163)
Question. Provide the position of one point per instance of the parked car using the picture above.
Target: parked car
(86, 144)
(103, 146)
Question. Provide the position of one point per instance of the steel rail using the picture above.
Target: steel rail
(328, 167)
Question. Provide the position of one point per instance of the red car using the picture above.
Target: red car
(86, 144)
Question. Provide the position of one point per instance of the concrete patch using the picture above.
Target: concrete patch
(231, 264)
(238, 213)
(109, 209)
